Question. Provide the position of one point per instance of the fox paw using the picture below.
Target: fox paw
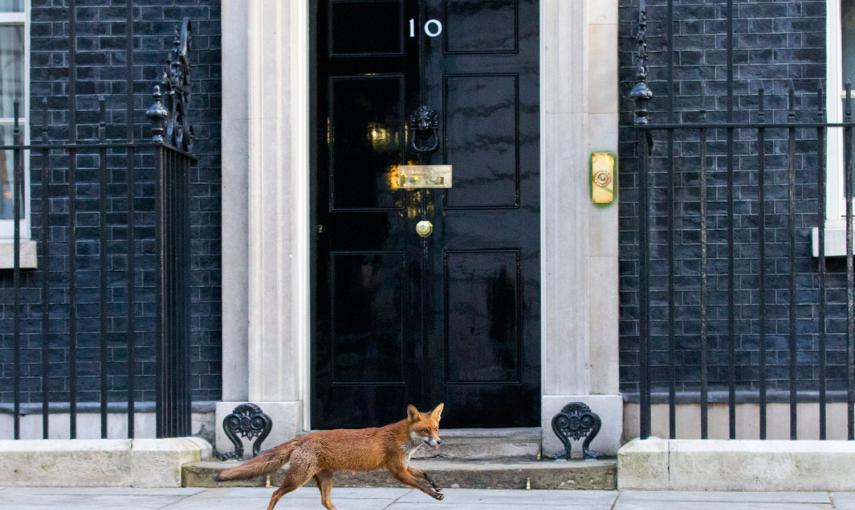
(438, 496)
(432, 483)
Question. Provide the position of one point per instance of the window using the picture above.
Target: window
(14, 85)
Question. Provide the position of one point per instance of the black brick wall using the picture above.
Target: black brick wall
(777, 44)
(101, 71)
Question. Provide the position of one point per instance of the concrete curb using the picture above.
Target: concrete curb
(737, 465)
(98, 462)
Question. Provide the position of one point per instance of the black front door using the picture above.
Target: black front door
(453, 317)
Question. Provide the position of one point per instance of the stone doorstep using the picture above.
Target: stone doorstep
(484, 444)
(737, 465)
(494, 474)
(522, 443)
(98, 462)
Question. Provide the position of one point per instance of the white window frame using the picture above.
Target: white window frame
(7, 226)
(835, 199)
(836, 203)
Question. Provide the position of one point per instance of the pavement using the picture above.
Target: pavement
(374, 499)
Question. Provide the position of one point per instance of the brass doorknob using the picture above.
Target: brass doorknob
(424, 228)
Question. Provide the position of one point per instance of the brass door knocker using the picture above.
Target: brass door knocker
(424, 128)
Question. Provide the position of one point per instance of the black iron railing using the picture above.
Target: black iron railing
(730, 200)
(118, 209)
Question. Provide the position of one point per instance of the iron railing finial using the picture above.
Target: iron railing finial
(640, 92)
(157, 114)
(169, 112)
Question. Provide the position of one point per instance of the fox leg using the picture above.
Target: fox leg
(418, 473)
(325, 479)
(403, 475)
(298, 474)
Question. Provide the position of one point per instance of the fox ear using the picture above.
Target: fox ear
(412, 413)
(436, 414)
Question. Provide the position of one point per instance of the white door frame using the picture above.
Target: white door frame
(266, 200)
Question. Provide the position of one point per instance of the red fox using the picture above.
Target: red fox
(320, 454)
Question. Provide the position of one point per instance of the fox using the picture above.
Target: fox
(320, 454)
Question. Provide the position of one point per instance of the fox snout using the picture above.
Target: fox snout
(433, 442)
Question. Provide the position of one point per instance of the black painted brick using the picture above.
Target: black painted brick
(777, 44)
(101, 70)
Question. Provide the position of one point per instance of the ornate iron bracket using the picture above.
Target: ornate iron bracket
(169, 112)
(249, 421)
(575, 421)
(640, 92)
(424, 128)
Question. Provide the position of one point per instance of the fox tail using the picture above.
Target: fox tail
(266, 462)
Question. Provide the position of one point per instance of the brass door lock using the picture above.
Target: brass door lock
(424, 228)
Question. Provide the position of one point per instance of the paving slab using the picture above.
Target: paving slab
(58, 498)
(103, 491)
(696, 500)
(261, 503)
(307, 492)
(304, 498)
(488, 506)
(79, 506)
(716, 505)
(726, 497)
(843, 500)
(346, 498)
(544, 498)
(85, 501)
(118, 498)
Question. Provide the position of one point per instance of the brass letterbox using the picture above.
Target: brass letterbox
(421, 176)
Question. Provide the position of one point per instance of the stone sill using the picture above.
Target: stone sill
(742, 397)
(145, 406)
(736, 465)
(835, 240)
(29, 254)
(98, 462)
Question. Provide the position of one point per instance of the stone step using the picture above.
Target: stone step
(492, 474)
(485, 444)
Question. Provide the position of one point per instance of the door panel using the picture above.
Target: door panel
(455, 316)
(366, 131)
(482, 317)
(481, 127)
(368, 317)
(481, 26)
(347, 28)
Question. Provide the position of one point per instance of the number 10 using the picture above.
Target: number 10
(433, 27)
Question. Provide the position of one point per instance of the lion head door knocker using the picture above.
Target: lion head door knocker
(575, 421)
(424, 129)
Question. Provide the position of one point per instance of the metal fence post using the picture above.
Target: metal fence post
(642, 95)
